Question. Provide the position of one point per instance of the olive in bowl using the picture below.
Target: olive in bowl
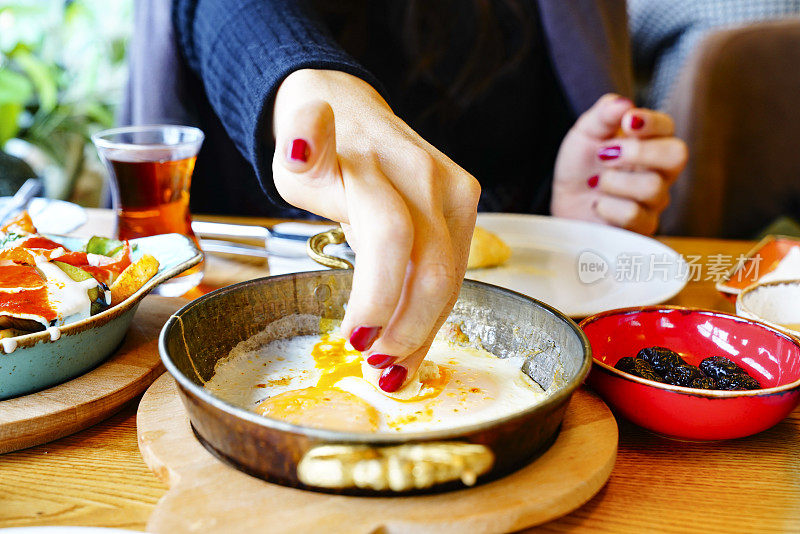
(769, 356)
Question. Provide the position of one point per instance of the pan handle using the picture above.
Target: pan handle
(315, 248)
(397, 468)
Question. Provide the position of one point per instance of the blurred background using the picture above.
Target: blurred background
(725, 69)
(62, 76)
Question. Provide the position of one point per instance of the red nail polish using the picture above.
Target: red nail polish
(609, 152)
(363, 337)
(592, 181)
(637, 122)
(392, 378)
(298, 151)
(380, 361)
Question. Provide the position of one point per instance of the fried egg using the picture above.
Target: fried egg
(320, 381)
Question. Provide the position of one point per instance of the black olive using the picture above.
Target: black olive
(718, 367)
(662, 359)
(638, 367)
(728, 375)
(683, 375)
(704, 383)
(626, 365)
(643, 369)
(738, 382)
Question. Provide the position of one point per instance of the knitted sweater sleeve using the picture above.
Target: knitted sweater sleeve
(242, 50)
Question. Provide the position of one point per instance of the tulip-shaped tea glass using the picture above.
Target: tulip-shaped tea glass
(150, 169)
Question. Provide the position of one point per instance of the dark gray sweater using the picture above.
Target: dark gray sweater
(229, 56)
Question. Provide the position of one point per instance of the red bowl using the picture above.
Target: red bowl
(770, 356)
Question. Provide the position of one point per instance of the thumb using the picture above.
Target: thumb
(604, 119)
(305, 155)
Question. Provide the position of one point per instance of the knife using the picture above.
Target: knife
(285, 240)
(238, 249)
(245, 231)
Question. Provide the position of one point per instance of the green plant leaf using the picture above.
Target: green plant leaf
(9, 121)
(14, 87)
(43, 78)
(100, 114)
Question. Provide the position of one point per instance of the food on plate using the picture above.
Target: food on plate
(320, 381)
(487, 250)
(43, 285)
(664, 365)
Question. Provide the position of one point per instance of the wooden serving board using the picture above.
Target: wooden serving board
(88, 399)
(208, 496)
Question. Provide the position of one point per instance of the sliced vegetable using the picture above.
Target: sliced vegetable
(104, 268)
(79, 275)
(133, 278)
(104, 246)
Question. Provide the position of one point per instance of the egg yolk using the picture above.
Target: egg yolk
(318, 407)
(335, 361)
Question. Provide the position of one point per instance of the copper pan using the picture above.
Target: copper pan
(501, 321)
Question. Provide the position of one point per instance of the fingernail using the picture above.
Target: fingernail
(298, 151)
(380, 361)
(592, 181)
(636, 122)
(392, 378)
(363, 337)
(624, 99)
(609, 152)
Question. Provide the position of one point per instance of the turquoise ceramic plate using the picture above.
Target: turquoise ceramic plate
(38, 361)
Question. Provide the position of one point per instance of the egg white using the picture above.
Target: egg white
(481, 387)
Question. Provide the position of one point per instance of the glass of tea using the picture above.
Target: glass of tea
(151, 171)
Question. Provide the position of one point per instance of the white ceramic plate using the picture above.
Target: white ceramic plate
(582, 268)
(53, 216)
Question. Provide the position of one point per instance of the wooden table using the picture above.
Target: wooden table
(97, 478)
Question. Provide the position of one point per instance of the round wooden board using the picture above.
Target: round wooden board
(208, 496)
(88, 399)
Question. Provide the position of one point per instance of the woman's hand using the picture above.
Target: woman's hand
(407, 211)
(615, 166)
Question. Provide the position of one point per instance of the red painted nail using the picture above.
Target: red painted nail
(298, 151)
(609, 152)
(637, 123)
(380, 361)
(392, 378)
(363, 337)
(592, 181)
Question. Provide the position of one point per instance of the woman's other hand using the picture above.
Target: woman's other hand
(616, 164)
(407, 210)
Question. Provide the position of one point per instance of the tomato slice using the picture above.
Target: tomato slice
(41, 243)
(105, 269)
